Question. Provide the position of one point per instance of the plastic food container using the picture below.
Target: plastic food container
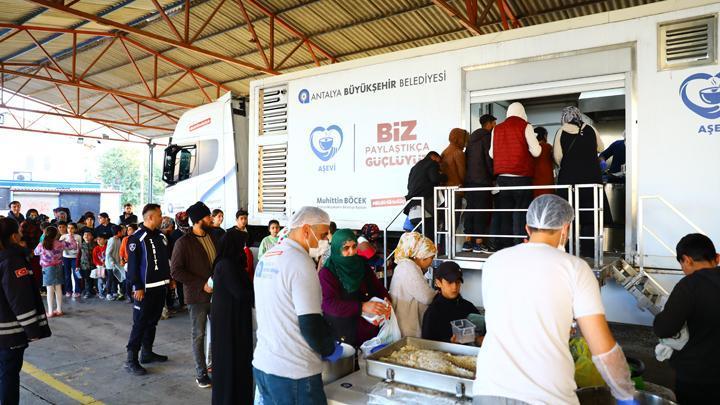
(463, 330)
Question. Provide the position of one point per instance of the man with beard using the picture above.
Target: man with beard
(191, 264)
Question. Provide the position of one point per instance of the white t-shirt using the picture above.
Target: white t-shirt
(71, 253)
(532, 292)
(286, 286)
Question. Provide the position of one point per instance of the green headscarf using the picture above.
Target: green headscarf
(349, 269)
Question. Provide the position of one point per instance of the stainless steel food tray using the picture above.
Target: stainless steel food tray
(422, 378)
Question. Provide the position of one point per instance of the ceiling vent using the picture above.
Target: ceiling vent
(686, 43)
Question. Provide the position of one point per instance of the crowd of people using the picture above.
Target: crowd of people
(512, 154)
(316, 286)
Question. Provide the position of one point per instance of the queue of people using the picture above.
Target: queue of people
(514, 155)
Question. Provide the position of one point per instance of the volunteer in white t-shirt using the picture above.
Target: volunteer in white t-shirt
(532, 292)
(292, 336)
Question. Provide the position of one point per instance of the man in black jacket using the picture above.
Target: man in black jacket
(479, 174)
(695, 301)
(22, 314)
(148, 274)
(423, 179)
(14, 212)
(127, 216)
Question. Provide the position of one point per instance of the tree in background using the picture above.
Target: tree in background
(123, 169)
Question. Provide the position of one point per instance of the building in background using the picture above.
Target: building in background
(79, 197)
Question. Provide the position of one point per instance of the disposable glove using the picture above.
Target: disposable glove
(614, 369)
(336, 354)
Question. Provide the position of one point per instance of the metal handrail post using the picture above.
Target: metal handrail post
(572, 230)
(435, 216)
(641, 236)
(596, 224)
(577, 221)
(451, 221)
(422, 216)
(601, 236)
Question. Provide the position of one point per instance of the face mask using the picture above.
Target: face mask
(561, 246)
(314, 252)
(323, 246)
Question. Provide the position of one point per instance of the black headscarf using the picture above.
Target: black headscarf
(231, 248)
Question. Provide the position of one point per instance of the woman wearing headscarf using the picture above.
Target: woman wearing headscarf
(231, 326)
(370, 246)
(410, 292)
(348, 284)
(575, 150)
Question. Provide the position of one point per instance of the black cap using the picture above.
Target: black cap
(448, 271)
(487, 118)
(198, 211)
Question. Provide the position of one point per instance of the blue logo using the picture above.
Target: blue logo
(304, 96)
(326, 142)
(701, 94)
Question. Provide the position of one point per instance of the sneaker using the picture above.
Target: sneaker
(467, 247)
(134, 368)
(481, 248)
(204, 381)
(152, 358)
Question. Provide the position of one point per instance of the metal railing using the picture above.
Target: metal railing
(445, 213)
(420, 224)
(642, 228)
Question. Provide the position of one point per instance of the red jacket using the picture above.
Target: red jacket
(99, 255)
(510, 149)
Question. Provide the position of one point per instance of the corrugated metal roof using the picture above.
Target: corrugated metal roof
(345, 29)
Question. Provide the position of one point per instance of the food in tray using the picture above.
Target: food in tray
(433, 360)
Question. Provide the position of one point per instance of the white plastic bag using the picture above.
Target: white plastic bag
(389, 330)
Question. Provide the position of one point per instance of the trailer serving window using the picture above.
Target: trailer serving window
(182, 162)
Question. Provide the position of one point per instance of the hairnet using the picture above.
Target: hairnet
(310, 216)
(549, 212)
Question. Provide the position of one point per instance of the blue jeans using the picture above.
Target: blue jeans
(285, 391)
(11, 361)
(69, 273)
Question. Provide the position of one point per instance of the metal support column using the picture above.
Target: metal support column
(151, 148)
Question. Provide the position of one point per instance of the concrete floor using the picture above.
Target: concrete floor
(87, 351)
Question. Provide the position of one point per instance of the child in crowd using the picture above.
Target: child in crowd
(85, 260)
(72, 283)
(271, 240)
(131, 228)
(113, 269)
(241, 221)
(62, 227)
(50, 252)
(447, 306)
(99, 262)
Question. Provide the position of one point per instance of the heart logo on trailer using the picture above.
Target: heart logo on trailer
(325, 142)
(701, 94)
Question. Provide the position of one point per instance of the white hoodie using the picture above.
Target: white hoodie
(517, 110)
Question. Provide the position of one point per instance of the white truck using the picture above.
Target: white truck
(344, 136)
